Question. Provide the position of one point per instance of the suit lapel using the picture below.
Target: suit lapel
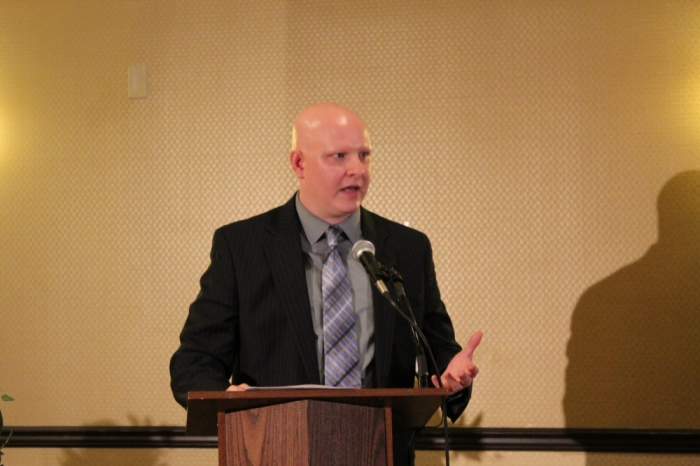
(373, 230)
(284, 255)
(285, 258)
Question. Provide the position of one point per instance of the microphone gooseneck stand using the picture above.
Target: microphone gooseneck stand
(404, 310)
(421, 362)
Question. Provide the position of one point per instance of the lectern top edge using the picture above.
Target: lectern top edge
(411, 407)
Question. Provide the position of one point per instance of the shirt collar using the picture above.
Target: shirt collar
(314, 227)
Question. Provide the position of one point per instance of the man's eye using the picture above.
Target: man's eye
(364, 155)
(339, 155)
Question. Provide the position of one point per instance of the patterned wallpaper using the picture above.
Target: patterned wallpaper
(530, 140)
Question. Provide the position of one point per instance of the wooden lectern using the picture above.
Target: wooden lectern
(294, 426)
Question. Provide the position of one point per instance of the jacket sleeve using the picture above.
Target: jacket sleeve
(439, 332)
(208, 342)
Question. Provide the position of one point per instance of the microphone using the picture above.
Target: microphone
(363, 252)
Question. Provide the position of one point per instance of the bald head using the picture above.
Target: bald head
(331, 158)
(322, 120)
(679, 209)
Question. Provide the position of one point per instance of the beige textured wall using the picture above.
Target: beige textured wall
(528, 139)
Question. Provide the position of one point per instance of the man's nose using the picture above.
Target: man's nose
(356, 166)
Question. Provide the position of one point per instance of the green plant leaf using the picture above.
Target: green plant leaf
(7, 398)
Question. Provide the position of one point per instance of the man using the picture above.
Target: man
(260, 317)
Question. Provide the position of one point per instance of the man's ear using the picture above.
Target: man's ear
(296, 157)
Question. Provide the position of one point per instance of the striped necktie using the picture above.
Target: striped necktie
(342, 359)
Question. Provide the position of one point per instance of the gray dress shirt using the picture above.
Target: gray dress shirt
(315, 248)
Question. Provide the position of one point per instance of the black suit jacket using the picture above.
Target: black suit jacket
(251, 321)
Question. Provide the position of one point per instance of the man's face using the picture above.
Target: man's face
(334, 166)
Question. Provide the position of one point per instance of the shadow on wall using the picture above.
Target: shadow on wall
(634, 352)
(469, 456)
(112, 457)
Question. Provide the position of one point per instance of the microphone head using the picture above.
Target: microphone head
(361, 247)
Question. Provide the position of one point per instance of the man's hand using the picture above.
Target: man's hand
(237, 388)
(461, 370)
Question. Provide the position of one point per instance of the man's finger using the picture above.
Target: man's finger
(237, 388)
(473, 342)
(448, 382)
(465, 379)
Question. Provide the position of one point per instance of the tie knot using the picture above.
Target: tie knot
(333, 235)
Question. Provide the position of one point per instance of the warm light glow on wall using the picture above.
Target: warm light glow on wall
(4, 138)
(691, 113)
(683, 110)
